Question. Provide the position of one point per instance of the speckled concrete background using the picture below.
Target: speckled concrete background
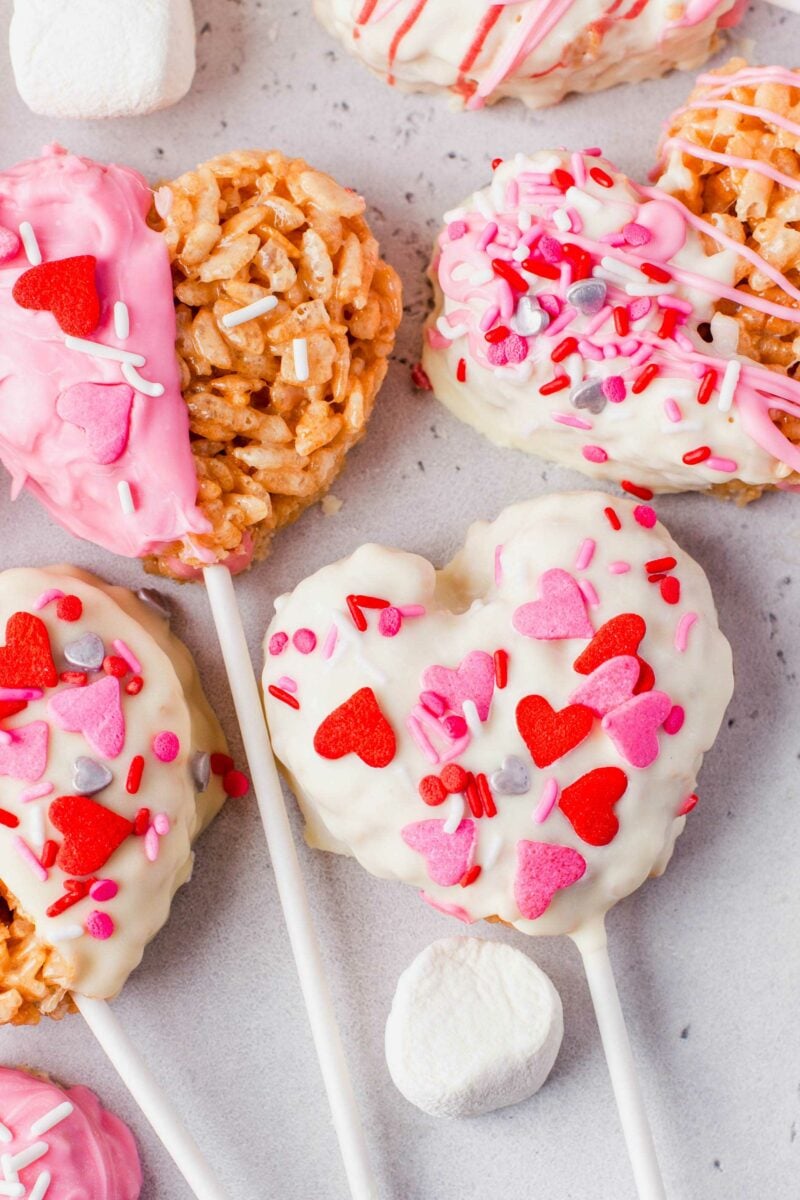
(707, 958)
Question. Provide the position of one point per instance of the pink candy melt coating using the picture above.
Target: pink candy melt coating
(91, 1154)
(78, 207)
(166, 746)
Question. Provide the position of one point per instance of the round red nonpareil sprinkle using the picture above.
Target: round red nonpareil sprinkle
(114, 664)
(564, 349)
(461, 371)
(134, 779)
(693, 457)
(501, 668)
(69, 608)
(601, 177)
(538, 266)
(236, 784)
(498, 334)
(644, 379)
(707, 385)
(471, 875)
(622, 321)
(671, 589)
(660, 564)
(141, 822)
(134, 686)
(220, 763)
(76, 678)
(507, 272)
(612, 518)
(454, 778)
(641, 493)
(554, 385)
(432, 790)
(286, 697)
(562, 179)
(656, 273)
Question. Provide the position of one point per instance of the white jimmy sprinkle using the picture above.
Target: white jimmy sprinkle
(561, 220)
(727, 389)
(300, 352)
(40, 1187)
(18, 1162)
(520, 253)
(454, 214)
(485, 206)
(142, 385)
(616, 267)
(682, 427)
(455, 814)
(481, 276)
(451, 332)
(649, 289)
(67, 933)
(492, 853)
(52, 1118)
(5, 1133)
(98, 350)
(126, 498)
(582, 199)
(470, 711)
(122, 320)
(36, 829)
(249, 313)
(13, 1189)
(30, 244)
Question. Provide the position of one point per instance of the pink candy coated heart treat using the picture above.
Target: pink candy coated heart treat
(103, 411)
(9, 244)
(542, 869)
(609, 686)
(472, 680)
(96, 712)
(633, 727)
(561, 612)
(25, 756)
(447, 854)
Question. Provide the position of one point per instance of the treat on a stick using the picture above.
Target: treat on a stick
(478, 53)
(107, 757)
(584, 318)
(61, 1143)
(263, 273)
(517, 735)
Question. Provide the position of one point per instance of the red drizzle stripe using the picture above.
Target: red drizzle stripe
(405, 28)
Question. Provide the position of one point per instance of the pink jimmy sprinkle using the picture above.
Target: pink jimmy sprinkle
(457, 230)
(532, 235)
(598, 321)
(645, 516)
(569, 419)
(489, 318)
(682, 632)
(287, 683)
(592, 152)
(681, 340)
(560, 322)
(547, 802)
(575, 220)
(565, 278)
(585, 554)
(590, 351)
(722, 464)
(619, 568)
(47, 598)
(434, 703)
(681, 306)
(512, 194)
(578, 169)
(610, 350)
(641, 356)
(151, 844)
(415, 729)
(331, 637)
(629, 347)
(411, 610)
(20, 693)
(35, 792)
(672, 409)
(589, 593)
(487, 236)
(498, 565)
(595, 454)
(124, 651)
(26, 854)
(612, 239)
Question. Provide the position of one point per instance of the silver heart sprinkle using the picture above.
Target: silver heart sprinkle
(89, 777)
(588, 395)
(512, 779)
(529, 318)
(87, 652)
(587, 295)
(155, 601)
(200, 768)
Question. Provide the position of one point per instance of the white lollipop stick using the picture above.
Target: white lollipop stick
(592, 944)
(151, 1098)
(291, 886)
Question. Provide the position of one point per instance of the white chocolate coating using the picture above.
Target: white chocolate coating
(653, 437)
(170, 700)
(360, 809)
(480, 52)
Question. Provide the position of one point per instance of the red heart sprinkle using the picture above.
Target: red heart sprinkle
(357, 727)
(588, 804)
(26, 660)
(91, 833)
(67, 289)
(432, 790)
(548, 734)
(620, 635)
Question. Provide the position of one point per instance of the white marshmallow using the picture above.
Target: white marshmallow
(474, 1026)
(102, 58)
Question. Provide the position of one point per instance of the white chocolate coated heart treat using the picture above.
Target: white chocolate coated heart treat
(105, 782)
(571, 646)
(576, 318)
(479, 52)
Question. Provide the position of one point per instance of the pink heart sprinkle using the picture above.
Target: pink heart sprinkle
(542, 870)
(472, 679)
(561, 612)
(447, 855)
(24, 756)
(103, 412)
(609, 686)
(96, 712)
(633, 727)
(9, 244)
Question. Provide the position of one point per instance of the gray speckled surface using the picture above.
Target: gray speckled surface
(707, 958)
